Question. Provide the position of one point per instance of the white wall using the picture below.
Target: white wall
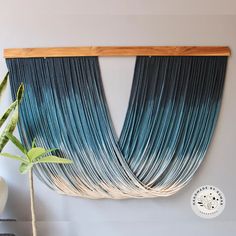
(28, 23)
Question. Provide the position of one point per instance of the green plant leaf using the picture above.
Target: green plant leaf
(38, 152)
(24, 168)
(18, 158)
(3, 84)
(46, 152)
(7, 113)
(34, 143)
(17, 142)
(54, 159)
(20, 93)
(9, 128)
(35, 152)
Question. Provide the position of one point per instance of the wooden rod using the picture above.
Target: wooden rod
(117, 51)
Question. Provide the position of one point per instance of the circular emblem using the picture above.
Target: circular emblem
(208, 201)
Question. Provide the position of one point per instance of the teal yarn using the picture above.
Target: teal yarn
(172, 113)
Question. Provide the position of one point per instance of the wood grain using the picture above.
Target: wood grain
(117, 51)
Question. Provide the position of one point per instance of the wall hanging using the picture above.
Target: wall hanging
(172, 112)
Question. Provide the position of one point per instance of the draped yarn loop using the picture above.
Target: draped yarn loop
(172, 113)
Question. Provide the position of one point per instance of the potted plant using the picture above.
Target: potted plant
(11, 115)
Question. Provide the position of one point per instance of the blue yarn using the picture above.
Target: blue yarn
(172, 113)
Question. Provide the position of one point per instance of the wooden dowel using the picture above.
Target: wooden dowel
(118, 51)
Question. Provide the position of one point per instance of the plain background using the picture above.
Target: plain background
(43, 23)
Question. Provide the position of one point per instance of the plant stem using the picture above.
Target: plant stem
(32, 204)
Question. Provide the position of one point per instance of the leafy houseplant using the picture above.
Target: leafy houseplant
(10, 118)
(30, 158)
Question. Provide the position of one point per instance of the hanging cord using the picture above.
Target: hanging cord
(172, 113)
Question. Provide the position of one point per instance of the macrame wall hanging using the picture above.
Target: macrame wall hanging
(172, 112)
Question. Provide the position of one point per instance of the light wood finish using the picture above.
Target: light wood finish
(118, 51)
